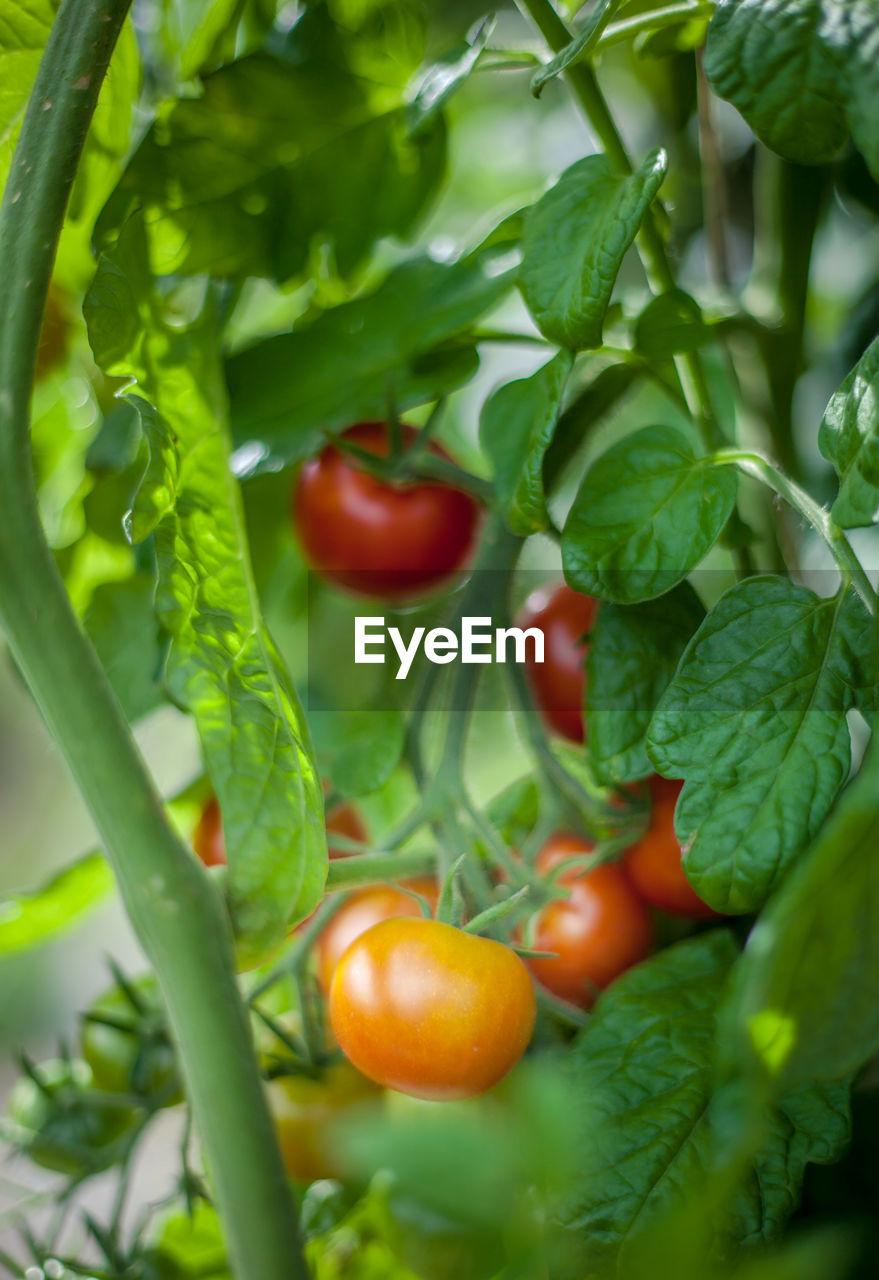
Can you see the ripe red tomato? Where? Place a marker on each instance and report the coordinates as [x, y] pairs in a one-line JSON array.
[[565, 618], [599, 931], [654, 866], [426, 1009], [363, 909], [377, 539], [210, 845], [304, 1109]]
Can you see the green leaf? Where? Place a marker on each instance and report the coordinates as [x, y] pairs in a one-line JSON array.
[[441, 81], [599, 16], [596, 399], [633, 653], [755, 720], [651, 1122], [516, 428], [264, 169], [358, 750], [29, 919], [669, 324], [121, 623], [222, 664], [849, 439], [803, 73], [576, 237], [286, 390], [647, 512], [808, 983]]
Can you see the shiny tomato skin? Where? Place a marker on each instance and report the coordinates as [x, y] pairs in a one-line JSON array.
[[376, 539], [303, 1110], [565, 617], [210, 845], [423, 1008], [597, 933], [654, 865], [361, 910]]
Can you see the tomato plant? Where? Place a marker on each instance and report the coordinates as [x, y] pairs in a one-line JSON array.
[[375, 537], [331, 333], [427, 1009]]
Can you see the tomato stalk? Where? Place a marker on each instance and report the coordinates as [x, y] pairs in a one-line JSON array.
[[753, 464], [174, 909]]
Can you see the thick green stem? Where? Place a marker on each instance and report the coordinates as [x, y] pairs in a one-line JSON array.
[[176, 912], [375, 868], [754, 464]]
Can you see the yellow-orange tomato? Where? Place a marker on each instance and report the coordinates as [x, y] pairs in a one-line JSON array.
[[599, 931], [654, 865], [429, 1010], [209, 842], [361, 910], [304, 1109]]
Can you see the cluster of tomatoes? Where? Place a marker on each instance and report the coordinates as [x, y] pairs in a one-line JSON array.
[[415, 1004]]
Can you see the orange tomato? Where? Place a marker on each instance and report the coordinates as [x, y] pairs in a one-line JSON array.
[[304, 1110], [361, 910], [428, 1010]]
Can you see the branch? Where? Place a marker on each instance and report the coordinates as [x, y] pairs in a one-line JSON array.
[[176, 913]]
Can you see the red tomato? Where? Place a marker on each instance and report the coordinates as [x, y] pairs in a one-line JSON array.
[[377, 539], [363, 909], [602, 929], [426, 1009], [210, 845], [654, 865], [565, 618]]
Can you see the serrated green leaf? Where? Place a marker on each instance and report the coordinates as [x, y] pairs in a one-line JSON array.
[[575, 239], [651, 1121], [121, 623], [803, 73], [265, 168], [29, 919], [807, 1003], [222, 664], [358, 750], [286, 390], [669, 324], [755, 720], [633, 653], [646, 513], [516, 428], [849, 439]]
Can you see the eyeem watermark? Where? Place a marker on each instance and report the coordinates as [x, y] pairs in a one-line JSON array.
[[477, 642]]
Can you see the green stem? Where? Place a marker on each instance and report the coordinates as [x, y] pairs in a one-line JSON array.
[[653, 20], [176, 913], [754, 464], [376, 868], [789, 202]]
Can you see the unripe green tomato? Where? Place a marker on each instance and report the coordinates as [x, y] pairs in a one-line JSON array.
[[137, 1060], [67, 1125]]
